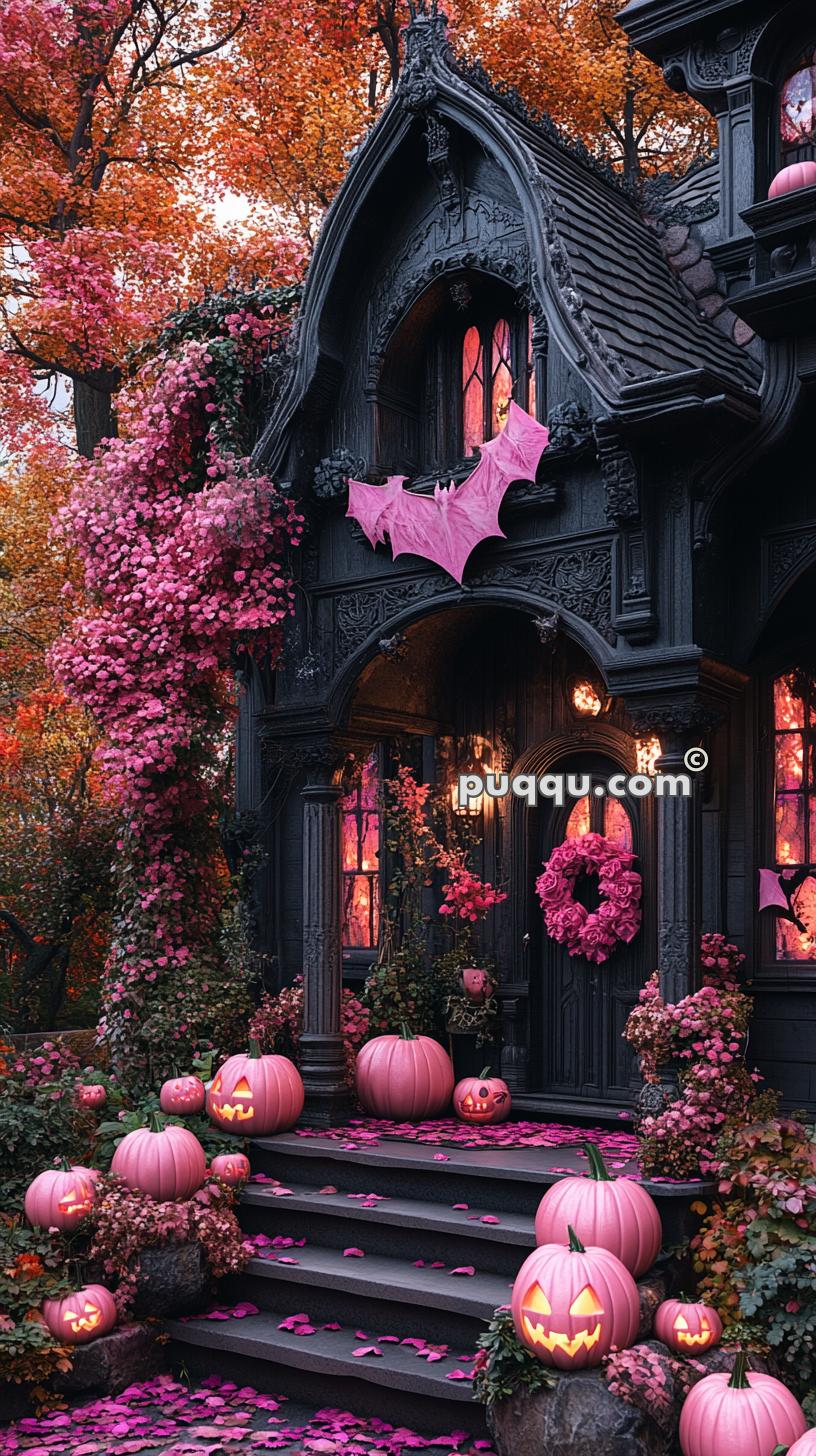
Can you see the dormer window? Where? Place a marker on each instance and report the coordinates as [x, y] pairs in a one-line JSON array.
[[797, 111]]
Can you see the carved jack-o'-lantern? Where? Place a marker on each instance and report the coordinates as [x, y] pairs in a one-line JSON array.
[[482, 1099], [687, 1328], [59, 1198], [91, 1094], [231, 1168], [183, 1095], [571, 1305], [82, 1316], [256, 1094]]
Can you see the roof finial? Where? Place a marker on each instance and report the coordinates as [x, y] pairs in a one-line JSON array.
[[426, 41]]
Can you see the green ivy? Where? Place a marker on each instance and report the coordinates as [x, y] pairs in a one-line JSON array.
[[504, 1365]]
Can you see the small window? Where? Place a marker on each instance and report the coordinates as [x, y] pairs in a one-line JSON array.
[[795, 804], [609, 818], [361, 862], [797, 111], [495, 354]]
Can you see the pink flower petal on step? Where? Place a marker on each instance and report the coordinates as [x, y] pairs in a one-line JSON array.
[[464, 1269], [353, 1254], [365, 1350]]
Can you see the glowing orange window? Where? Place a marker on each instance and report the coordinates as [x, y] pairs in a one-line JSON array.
[[361, 865], [795, 804]]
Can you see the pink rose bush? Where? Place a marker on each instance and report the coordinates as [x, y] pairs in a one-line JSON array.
[[184, 547], [592, 934]]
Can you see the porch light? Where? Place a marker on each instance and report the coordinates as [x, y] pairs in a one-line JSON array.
[[586, 699], [476, 757], [647, 752]]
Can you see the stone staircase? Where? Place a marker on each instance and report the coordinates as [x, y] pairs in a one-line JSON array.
[[385, 1297]]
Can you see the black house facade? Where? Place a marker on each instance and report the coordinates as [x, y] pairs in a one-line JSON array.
[[653, 591]]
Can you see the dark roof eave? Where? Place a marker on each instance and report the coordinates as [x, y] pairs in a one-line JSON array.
[[664, 399]]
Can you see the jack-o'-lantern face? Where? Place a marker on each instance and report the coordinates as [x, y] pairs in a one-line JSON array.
[[85, 1318], [238, 1106], [77, 1201], [479, 1104], [583, 1321], [693, 1339]]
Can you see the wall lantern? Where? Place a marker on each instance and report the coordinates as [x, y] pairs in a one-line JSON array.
[[586, 699], [475, 756], [647, 752]]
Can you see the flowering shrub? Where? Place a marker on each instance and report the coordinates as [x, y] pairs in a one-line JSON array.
[[755, 1252], [466, 895], [126, 1222], [652, 1380], [278, 1022], [702, 1037], [30, 1271], [40, 1119], [183, 547], [594, 934]]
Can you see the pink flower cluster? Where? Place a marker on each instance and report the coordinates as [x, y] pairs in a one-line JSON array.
[[466, 896], [592, 934]]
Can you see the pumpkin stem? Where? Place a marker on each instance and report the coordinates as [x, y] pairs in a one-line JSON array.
[[406, 1033], [597, 1167], [739, 1379], [575, 1245], [155, 1122], [780, 1450], [485, 1072], [254, 1052], [64, 1165]]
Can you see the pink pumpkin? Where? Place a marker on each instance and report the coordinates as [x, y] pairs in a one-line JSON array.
[[805, 1446], [59, 1198], [82, 1316], [404, 1077], [91, 1094], [612, 1213], [256, 1094], [571, 1305], [166, 1162], [183, 1096], [687, 1328], [231, 1168], [482, 1099], [791, 179], [744, 1414], [476, 984]]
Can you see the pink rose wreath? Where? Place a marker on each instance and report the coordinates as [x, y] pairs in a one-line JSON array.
[[591, 934]]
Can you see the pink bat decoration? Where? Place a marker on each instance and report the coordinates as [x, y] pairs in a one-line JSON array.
[[776, 892], [446, 526]]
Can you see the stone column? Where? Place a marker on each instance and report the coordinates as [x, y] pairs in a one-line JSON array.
[[328, 1100]]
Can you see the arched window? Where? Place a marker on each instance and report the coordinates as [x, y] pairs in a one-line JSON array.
[[795, 804], [361, 863], [606, 816], [492, 359], [797, 110]]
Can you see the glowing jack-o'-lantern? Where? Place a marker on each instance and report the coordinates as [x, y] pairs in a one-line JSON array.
[[82, 1316], [183, 1096], [744, 1414], [482, 1099], [91, 1094], [687, 1328], [571, 1305], [231, 1168], [256, 1094], [615, 1213], [59, 1198]]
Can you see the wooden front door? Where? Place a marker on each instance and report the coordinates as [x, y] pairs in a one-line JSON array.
[[578, 1009]]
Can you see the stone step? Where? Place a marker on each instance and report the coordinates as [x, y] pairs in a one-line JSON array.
[[398, 1386], [509, 1180], [375, 1292], [411, 1228]]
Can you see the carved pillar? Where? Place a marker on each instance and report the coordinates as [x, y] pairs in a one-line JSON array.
[[322, 1065]]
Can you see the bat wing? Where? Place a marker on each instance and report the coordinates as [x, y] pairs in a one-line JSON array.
[[771, 892], [512, 455], [369, 505]]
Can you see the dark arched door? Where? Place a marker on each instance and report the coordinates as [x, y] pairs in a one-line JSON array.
[[578, 1010]]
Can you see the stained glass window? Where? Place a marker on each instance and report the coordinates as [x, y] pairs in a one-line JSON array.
[[795, 804], [360, 847], [472, 391], [579, 819], [617, 824], [487, 383], [797, 111], [611, 819]]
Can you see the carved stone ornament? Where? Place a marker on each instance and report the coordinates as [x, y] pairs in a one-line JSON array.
[[785, 556], [547, 628], [394, 648], [321, 755], [679, 715], [619, 476], [570, 426], [332, 473]]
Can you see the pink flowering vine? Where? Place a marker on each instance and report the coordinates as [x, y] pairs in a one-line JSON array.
[[184, 548]]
